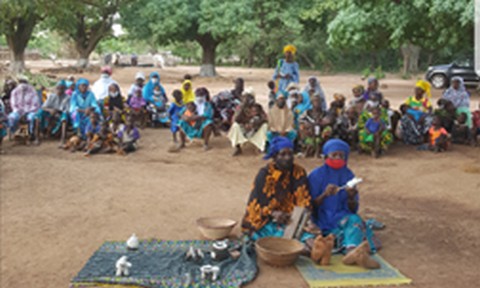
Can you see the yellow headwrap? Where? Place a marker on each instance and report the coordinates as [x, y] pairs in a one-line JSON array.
[[290, 48], [188, 95], [425, 86]]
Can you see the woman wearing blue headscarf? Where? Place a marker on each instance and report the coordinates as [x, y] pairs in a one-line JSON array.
[[278, 188], [156, 98], [82, 103], [335, 209]]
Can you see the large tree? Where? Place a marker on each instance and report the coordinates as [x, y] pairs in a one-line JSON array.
[[409, 26], [86, 22], [17, 21], [208, 22]]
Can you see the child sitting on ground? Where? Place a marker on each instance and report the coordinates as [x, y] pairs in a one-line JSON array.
[[255, 121], [439, 138], [99, 137], [137, 107], [460, 131], [190, 112], [116, 123], [374, 128], [476, 126], [128, 137]]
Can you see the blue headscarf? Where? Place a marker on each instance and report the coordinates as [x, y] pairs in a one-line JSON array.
[[62, 83], [334, 145], [147, 91], [80, 82], [276, 145], [304, 105], [334, 208]]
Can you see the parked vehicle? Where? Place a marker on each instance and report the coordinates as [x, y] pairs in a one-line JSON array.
[[439, 76]]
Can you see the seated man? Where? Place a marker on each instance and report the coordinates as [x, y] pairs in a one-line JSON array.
[[281, 121], [25, 104], [54, 114], [335, 209], [278, 188]]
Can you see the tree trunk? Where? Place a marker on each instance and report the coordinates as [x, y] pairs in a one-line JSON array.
[[411, 54], [83, 55], [251, 57], [209, 46], [19, 32]]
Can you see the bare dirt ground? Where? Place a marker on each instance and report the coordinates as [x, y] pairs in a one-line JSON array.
[[57, 208]]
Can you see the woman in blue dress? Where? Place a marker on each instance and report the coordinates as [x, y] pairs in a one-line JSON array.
[[335, 207], [82, 103], [287, 70]]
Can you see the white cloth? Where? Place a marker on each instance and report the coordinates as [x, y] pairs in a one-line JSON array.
[[100, 87], [237, 137]]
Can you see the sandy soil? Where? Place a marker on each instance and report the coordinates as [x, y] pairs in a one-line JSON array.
[[57, 208]]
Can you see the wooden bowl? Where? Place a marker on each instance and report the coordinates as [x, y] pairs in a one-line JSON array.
[[215, 228], [278, 251]]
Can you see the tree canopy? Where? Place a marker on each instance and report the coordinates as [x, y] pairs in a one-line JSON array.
[[329, 34]]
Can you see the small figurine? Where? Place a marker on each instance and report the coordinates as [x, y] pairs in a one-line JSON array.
[[209, 272], [123, 266], [205, 270], [132, 242], [195, 255], [215, 272]]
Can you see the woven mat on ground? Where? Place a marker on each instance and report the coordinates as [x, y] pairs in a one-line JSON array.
[[339, 275], [160, 263]]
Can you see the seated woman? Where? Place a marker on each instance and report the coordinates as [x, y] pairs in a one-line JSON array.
[[335, 209], [203, 123], [82, 104], [53, 116], [250, 124], [156, 98], [281, 120], [460, 98], [278, 188], [417, 119], [374, 136]]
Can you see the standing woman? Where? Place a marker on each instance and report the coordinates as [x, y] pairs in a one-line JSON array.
[[287, 70], [459, 96]]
